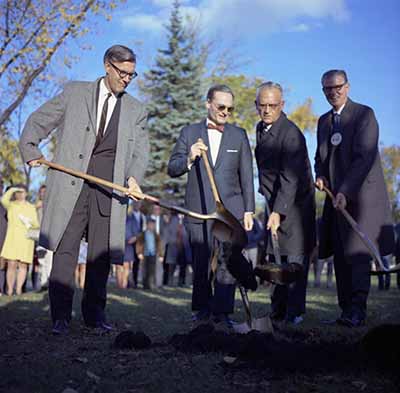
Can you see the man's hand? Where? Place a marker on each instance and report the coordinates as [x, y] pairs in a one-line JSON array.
[[274, 222], [195, 151], [134, 189], [132, 240], [35, 163], [248, 221], [321, 182], [340, 201]]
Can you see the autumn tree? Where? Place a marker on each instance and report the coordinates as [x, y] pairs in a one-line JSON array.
[[390, 156], [31, 33]]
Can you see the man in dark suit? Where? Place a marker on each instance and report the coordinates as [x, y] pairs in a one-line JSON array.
[[229, 153], [286, 182], [347, 160], [100, 131]]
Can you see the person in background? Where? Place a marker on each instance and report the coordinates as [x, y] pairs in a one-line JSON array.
[[177, 251], [149, 250], [45, 257], [3, 231], [18, 248], [80, 271]]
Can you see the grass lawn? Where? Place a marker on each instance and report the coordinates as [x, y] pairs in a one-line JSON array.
[[32, 360]]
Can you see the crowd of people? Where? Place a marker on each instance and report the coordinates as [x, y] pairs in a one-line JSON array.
[[102, 133]]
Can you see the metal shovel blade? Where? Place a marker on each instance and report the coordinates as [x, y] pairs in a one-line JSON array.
[[263, 325]]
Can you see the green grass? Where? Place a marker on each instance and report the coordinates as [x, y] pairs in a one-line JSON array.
[[34, 361]]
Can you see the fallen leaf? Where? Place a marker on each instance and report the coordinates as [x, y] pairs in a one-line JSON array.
[[229, 359], [93, 376]]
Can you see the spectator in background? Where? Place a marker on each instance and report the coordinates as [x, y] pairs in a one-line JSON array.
[[80, 271], [255, 236], [45, 257], [135, 221], [177, 251], [3, 231], [18, 248], [397, 250], [149, 250], [161, 222]]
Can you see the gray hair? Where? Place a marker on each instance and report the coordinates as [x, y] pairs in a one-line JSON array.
[[268, 85], [333, 73], [119, 54], [219, 88]]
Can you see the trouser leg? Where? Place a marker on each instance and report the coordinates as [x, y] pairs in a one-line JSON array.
[[360, 285], [65, 258], [97, 265], [296, 298]]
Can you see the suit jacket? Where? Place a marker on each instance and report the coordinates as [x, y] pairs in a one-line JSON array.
[[73, 113], [175, 249], [233, 171], [286, 182], [354, 169]]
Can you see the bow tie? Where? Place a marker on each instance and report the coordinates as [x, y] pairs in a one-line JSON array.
[[211, 126]]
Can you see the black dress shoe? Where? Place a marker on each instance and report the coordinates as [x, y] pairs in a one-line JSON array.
[[353, 322], [60, 327], [101, 326]]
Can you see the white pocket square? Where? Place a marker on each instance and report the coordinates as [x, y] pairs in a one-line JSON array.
[[231, 151]]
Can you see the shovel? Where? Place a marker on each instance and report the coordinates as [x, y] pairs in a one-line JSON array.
[[373, 251], [225, 226], [261, 324]]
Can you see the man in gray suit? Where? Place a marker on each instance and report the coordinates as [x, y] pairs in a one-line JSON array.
[[229, 154], [347, 160], [101, 131]]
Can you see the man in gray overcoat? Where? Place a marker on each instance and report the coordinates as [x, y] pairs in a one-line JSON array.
[[286, 183], [100, 131], [347, 160]]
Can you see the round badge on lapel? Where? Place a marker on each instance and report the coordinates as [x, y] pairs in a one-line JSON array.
[[336, 139]]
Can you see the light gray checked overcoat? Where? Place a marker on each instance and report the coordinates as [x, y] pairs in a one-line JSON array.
[[73, 114]]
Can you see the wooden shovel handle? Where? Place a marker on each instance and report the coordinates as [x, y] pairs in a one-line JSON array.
[[210, 174], [97, 180]]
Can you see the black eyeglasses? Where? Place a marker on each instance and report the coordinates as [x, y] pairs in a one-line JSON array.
[[337, 88], [221, 108], [123, 74]]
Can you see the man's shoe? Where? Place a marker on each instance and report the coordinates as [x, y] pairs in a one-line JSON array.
[[60, 327], [201, 316], [297, 320], [353, 322], [223, 321]]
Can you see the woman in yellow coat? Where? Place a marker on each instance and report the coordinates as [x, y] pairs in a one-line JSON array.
[[18, 247]]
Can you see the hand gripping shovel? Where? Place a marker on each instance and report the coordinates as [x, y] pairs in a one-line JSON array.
[[373, 251], [260, 324], [225, 226]]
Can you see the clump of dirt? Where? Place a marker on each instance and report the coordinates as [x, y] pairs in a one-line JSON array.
[[132, 340], [289, 352]]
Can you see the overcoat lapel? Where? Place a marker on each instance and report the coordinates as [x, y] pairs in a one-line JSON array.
[[91, 98]]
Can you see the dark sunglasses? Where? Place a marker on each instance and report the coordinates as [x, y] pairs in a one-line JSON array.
[[221, 108], [328, 89]]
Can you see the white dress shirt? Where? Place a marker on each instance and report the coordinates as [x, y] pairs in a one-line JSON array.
[[103, 92], [214, 137]]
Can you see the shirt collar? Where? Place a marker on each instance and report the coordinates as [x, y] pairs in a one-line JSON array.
[[104, 90], [339, 112]]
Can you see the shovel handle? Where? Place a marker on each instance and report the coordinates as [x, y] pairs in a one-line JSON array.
[[363, 237], [210, 174], [97, 180]]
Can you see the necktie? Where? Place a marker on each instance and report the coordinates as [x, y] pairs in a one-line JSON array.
[[211, 126], [100, 132], [336, 123]]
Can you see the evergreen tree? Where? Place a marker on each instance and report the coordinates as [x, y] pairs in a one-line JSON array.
[[173, 88]]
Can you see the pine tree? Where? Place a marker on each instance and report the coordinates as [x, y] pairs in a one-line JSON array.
[[173, 88]]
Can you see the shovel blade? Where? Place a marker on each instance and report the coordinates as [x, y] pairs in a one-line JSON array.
[[263, 325]]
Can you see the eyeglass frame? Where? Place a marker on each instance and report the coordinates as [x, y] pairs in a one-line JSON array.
[[336, 88], [123, 74], [222, 107]]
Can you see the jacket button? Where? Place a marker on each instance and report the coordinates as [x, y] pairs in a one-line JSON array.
[[81, 156], [73, 182], [88, 128]]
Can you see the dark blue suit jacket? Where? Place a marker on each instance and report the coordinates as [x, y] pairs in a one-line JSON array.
[[233, 171]]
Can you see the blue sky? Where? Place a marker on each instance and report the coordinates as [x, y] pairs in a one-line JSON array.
[[288, 41]]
